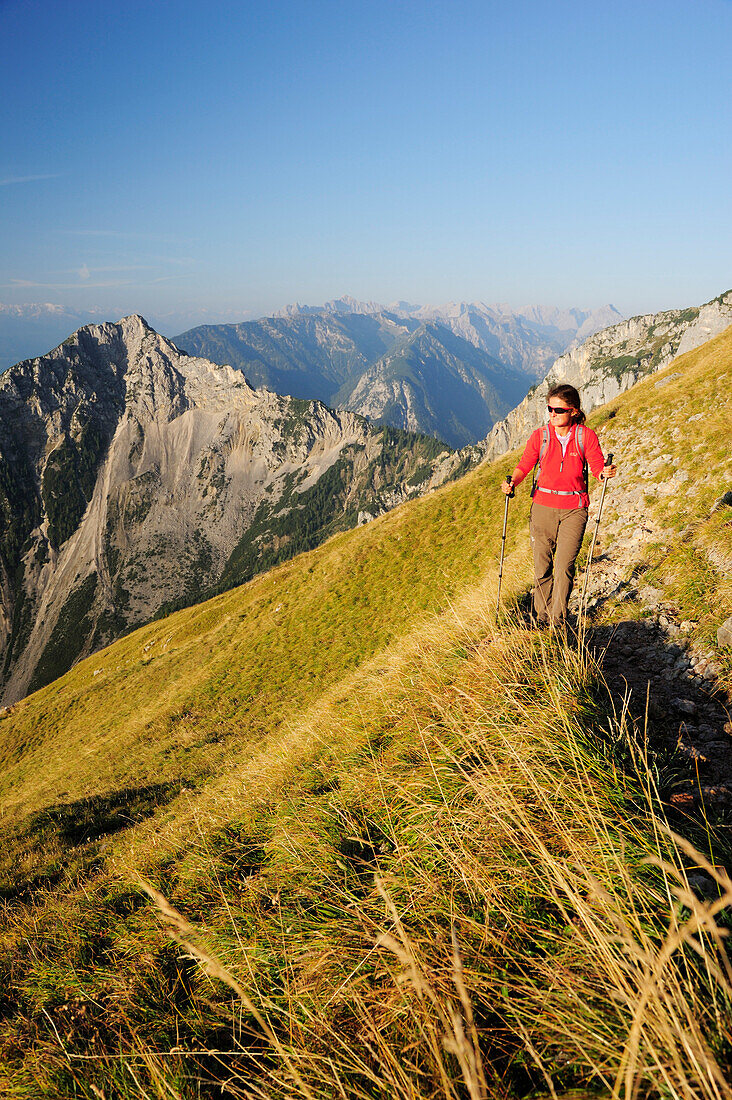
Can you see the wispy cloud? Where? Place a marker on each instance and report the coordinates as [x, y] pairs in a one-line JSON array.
[[86, 272], [121, 234], [88, 282], [29, 284], [173, 278], [180, 261], [9, 180], [106, 269]]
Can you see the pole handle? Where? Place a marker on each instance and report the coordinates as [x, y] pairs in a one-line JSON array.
[[513, 491], [609, 459]]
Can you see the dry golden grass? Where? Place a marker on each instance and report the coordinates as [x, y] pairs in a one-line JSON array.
[[526, 913], [410, 853]]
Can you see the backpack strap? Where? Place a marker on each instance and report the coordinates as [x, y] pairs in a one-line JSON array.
[[579, 435], [542, 451], [544, 444]]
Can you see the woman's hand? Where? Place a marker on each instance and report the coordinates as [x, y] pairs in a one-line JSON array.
[[608, 471], [510, 482]]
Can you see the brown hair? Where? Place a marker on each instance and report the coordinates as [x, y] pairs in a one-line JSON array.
[[571, 397]]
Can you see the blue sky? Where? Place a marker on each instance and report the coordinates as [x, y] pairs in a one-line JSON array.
[[222, 159]]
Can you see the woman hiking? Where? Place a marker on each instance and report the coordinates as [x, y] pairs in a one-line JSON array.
[[560, 499]]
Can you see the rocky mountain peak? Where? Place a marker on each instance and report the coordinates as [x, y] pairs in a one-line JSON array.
[[131, 363], [135, 477]]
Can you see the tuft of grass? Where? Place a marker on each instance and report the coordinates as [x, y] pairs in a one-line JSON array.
[[483, 905]]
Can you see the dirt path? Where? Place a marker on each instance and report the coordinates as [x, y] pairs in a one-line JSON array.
[[652, 659], [651, 654], [689, 712]]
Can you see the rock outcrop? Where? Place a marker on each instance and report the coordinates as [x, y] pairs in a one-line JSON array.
[[612, 361], [134, 478]]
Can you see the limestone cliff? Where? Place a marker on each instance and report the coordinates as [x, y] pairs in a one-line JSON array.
[[135, 478]]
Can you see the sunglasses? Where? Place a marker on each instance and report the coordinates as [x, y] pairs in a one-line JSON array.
[[558, 411]]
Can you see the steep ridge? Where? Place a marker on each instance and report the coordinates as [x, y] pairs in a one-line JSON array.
[[395, 827], [135, 478], [309, 355], [433, 381], [612, 361]]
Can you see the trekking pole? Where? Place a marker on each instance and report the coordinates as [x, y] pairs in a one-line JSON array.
[[503, 541], [608, 462]]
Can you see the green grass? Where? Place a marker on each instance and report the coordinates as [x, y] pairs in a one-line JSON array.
[[245, 661], [619, 365], [407, 853]]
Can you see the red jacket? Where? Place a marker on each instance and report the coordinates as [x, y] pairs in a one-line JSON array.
[[567, 473]]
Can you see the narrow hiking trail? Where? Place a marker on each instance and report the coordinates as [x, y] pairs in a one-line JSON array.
[[660, 580], [651, 659], [689, 711]]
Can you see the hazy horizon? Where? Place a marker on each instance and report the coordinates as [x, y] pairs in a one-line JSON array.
[[206, 316], [32, 334]]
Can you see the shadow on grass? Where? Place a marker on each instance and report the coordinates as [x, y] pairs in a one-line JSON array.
[[101, 815], [59, 840]]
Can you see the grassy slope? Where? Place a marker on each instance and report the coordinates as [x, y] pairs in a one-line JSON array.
[[351, 713], [148, 708]]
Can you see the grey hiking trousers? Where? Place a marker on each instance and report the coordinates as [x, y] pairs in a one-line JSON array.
[[556, 536]]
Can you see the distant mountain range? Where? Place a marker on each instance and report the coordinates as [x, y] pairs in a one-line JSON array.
[[450, 371], [135, 478], [27, 330]]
